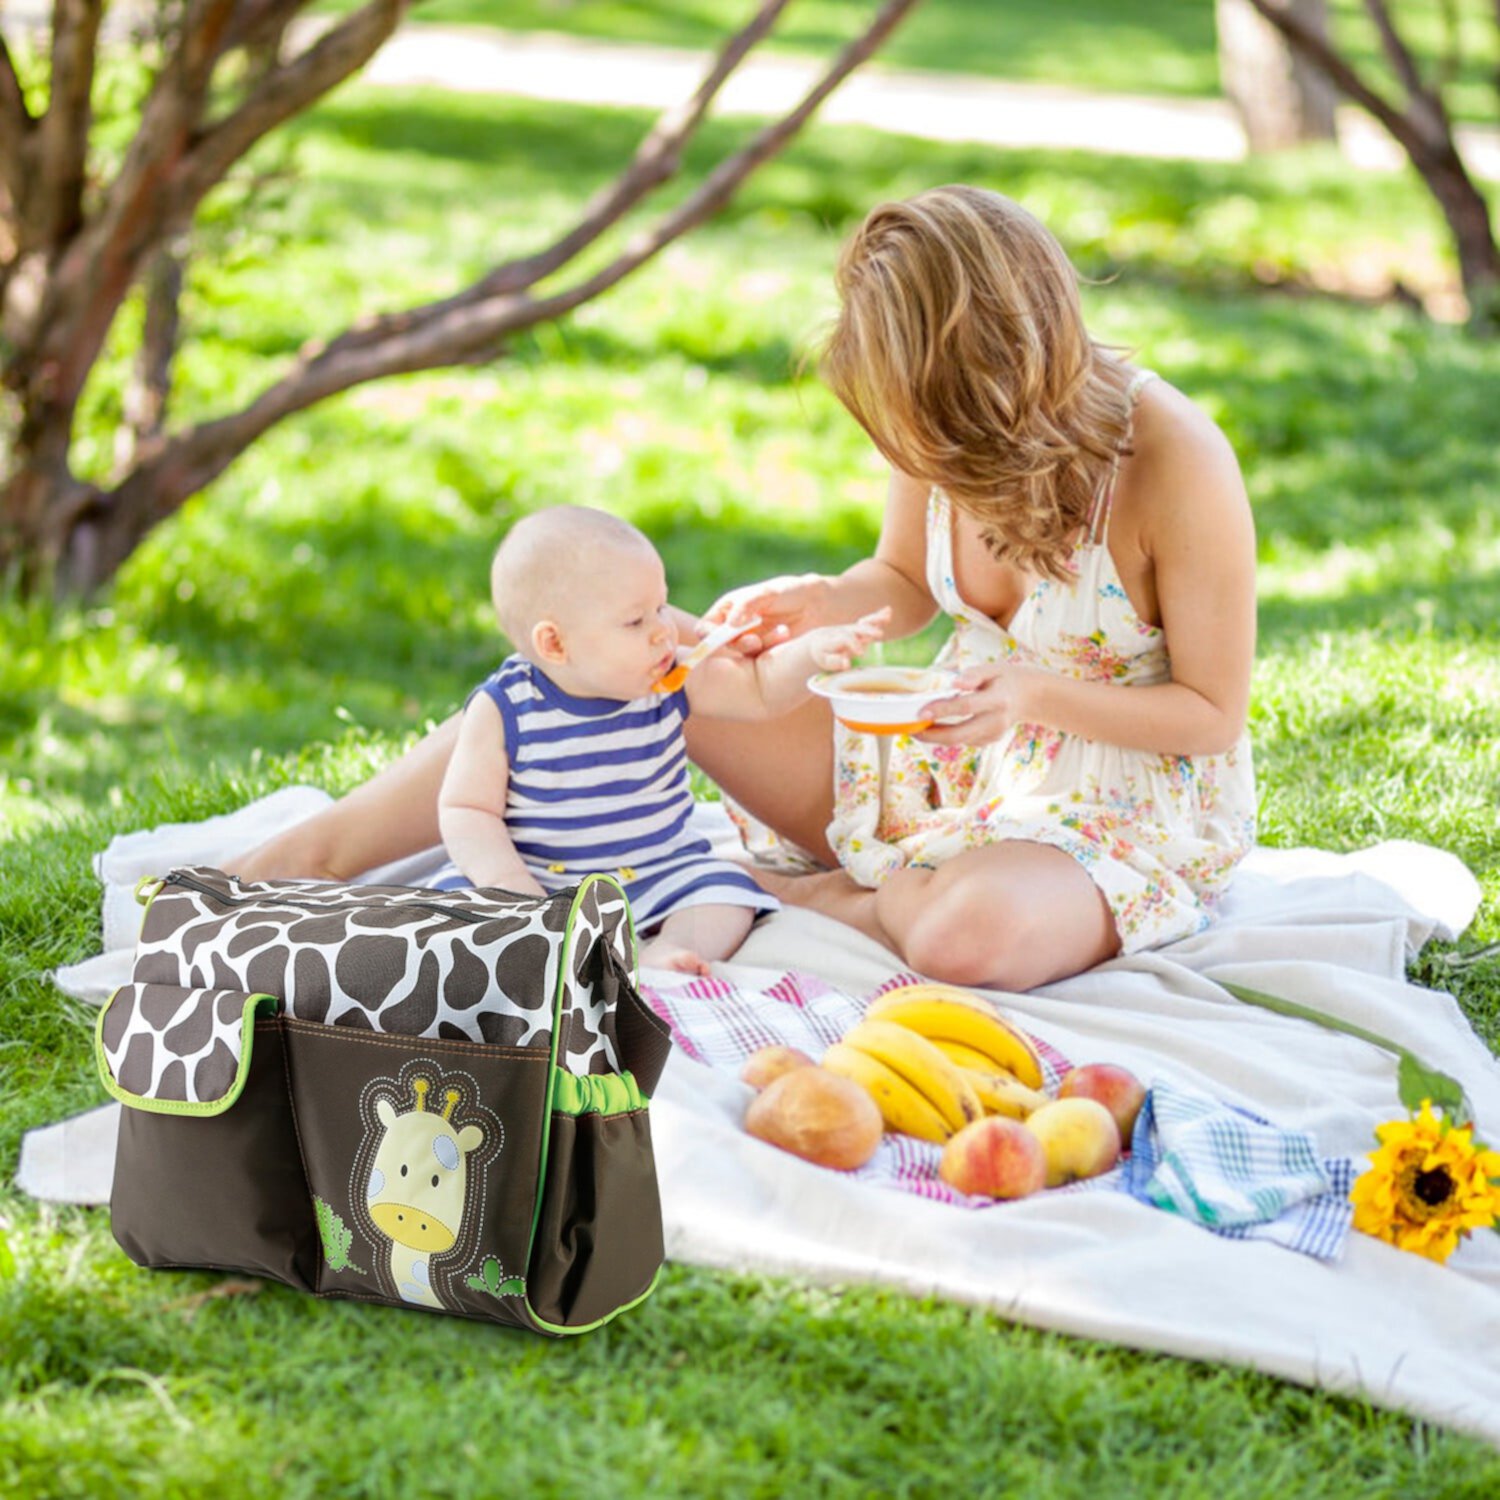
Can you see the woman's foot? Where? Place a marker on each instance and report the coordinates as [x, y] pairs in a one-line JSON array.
[[830, 892]]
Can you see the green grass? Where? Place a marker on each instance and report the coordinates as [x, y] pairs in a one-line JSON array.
[[304, 618]]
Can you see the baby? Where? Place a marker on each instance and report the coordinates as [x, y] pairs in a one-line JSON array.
[[569, 762]]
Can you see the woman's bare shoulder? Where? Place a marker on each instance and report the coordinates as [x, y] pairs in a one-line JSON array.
[[1170, 431], [1181, 462]]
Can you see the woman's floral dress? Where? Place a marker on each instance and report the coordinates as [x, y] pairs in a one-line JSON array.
[[1159, 835]]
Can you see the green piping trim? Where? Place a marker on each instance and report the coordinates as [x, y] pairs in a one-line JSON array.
[[596, 1093], [140, 885], [255, 1005], [552, 1085], [609, 1317]]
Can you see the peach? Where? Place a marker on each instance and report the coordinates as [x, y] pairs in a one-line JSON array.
[[1116, 1088], [818, 1116], [767, 1065], [996, 1157], [1079, 1138]]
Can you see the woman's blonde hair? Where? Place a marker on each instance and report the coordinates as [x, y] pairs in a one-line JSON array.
[[960, 348]]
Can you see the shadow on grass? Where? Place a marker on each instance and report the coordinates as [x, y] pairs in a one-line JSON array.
[[368, 617]]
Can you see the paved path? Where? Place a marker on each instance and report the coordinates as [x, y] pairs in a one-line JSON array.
[[930, 105], [934, 106]]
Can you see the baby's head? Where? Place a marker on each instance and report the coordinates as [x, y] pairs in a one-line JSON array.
[[583, 596]]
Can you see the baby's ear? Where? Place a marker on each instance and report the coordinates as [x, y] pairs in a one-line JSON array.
[[547, 642]]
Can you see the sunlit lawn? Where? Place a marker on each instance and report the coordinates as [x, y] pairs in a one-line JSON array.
[[326, 598]]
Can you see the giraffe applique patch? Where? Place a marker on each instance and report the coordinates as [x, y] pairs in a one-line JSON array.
[[418, 1182]]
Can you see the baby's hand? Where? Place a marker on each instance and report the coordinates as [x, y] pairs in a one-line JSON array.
[[834, 647]]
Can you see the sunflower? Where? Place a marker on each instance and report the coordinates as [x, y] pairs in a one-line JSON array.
[[1428, 1185]]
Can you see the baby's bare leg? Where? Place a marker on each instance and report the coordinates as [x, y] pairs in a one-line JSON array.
[[391, 815], [691, 939]]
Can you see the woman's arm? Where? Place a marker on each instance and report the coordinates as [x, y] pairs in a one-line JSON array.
[[1195, 528], [775, 682]]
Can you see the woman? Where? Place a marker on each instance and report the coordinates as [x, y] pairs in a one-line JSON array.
[[1086, 529]]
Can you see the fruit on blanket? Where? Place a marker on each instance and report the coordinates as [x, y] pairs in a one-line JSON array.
[[767, 1065], [901, 1105], [945, 1013], [1078, 1136], [965, 1057], [1005, 1094], [940, 1080], [995, 1157], [1116, 1088], [818, 1116]]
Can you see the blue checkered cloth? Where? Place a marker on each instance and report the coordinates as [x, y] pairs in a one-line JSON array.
[[1237, 1174]]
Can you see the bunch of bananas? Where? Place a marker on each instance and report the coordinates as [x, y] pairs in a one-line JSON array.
[[934, 1058]]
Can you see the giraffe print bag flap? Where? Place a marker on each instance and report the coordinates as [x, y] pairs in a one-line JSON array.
[[430, 1098]]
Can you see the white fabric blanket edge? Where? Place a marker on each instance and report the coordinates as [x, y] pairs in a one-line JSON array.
[[1331, 930]]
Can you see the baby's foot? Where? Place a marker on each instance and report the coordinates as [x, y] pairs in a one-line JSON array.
[[662, 955]]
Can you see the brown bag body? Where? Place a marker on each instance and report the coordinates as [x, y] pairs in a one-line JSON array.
[[448, 1172]]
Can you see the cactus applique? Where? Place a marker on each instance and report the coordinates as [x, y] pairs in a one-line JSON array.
[[336, 1238], [488, 1280]]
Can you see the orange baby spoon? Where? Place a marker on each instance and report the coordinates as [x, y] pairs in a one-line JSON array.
[[721, 636]]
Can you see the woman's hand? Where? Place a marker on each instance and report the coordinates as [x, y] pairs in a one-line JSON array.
[[990, 699], [788, 606]]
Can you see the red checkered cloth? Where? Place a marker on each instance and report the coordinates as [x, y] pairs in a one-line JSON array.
[[721, 1024]]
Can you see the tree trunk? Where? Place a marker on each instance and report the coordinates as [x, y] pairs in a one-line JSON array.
[[38, 499], [1281, 99], [1468, 216]]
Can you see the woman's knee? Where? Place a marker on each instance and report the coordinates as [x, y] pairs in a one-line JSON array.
[[960, 940], [971, 935]]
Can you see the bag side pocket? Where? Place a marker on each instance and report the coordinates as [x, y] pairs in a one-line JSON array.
[[598, 1246]]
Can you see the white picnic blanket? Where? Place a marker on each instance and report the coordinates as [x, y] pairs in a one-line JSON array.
[[1332, 931]]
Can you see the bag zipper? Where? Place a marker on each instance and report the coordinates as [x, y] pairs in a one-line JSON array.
[[178, 878]]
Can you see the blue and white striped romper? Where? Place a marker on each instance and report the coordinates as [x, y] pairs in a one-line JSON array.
[[597, 784]]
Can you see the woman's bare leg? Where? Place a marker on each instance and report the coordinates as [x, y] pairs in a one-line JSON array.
[[393, 814], [1009, 916], [780, 770]]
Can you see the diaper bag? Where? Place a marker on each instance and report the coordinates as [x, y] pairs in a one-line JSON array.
[[436, 1099]]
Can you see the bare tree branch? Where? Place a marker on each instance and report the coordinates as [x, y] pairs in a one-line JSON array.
[[96, 269], [173, 107], [179, 466], [1425, 131], [61, 141], [16, 126], [145, 403], [258, 21], [1397, 53], [656, 160], [1343, 74], [282, 92]]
